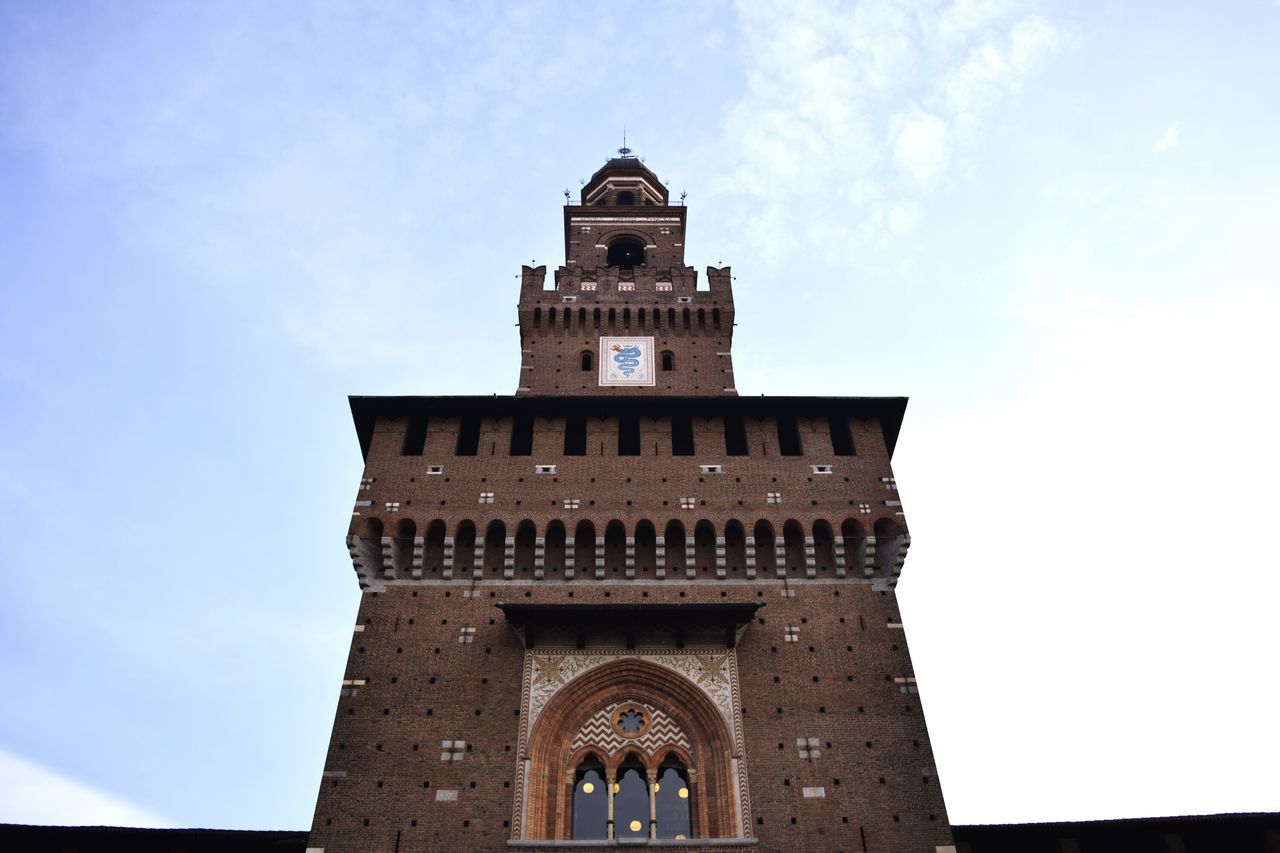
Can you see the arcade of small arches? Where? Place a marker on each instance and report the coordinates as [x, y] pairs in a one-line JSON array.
[[610, 551], [677, 321], [631, 796]]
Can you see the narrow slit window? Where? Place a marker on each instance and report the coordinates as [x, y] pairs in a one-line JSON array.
[[841, 437], [575, 436], [468, 436], [629, 435], [735, 436], [681, 435], [522, 435], [415, 437], [789, 436]]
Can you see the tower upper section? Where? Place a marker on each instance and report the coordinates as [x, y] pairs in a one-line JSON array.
[[624, 315]]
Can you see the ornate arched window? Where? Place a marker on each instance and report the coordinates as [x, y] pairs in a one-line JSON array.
[[656, 743]]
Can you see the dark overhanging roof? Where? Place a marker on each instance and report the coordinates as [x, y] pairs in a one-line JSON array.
[[622, 614], [365, 411], [528, 620]]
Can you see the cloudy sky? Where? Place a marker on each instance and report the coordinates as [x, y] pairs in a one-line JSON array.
[[1052, 225]]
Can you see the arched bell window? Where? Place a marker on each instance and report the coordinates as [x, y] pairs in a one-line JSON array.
[[626, 198], [671, 799], [590, 800], [625, 253]]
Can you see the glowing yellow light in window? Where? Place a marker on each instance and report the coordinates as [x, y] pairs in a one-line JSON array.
[[588, 787], [634, 826], [680, 838], [684, 793]]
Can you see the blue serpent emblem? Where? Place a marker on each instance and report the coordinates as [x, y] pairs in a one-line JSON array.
[[627, 359]]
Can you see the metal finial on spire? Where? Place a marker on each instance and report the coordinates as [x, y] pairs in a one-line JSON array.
[[624, 150]]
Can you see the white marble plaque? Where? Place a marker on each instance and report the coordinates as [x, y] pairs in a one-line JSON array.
[[626, 361]]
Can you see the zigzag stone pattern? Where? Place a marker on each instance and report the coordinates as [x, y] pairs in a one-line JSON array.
[[599, 732]]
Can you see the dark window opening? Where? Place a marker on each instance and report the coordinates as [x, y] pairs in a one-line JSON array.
[[468, 436], [590, 800], [788, 436], [585, 361], [415, 437], [668, 360], [625, 253], [735, 435], [841, 437], [626, 199], [629, 435], [681, 435], [522, 435], [575, 436]]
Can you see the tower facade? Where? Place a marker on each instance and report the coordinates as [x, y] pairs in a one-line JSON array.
[[626, 606]]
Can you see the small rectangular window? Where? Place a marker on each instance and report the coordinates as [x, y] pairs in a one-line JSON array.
[[820, 469], [571, 299], [452, 750], [415, 437], [688, 503], [486, 497], [808, 747], [712, 469], [468, 436], [575, 436], [681, 435], [544, 469], [435, 469], [774, 497], [392, 506], [684, 299], [571, 503]]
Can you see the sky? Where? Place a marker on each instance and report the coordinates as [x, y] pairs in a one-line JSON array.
[[1051, 225]]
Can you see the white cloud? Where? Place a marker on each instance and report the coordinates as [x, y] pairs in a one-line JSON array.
[[921, 146], [876, 94], [32, 794], [1169, 141]]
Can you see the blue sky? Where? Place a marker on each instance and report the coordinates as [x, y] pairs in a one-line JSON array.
[[1052, 225]]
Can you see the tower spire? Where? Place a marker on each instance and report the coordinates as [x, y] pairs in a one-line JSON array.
[[624, 150]]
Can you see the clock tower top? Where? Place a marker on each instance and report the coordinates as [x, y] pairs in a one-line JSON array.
[[625, 316]]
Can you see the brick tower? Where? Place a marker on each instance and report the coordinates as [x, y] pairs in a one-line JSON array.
[[626, 606]]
